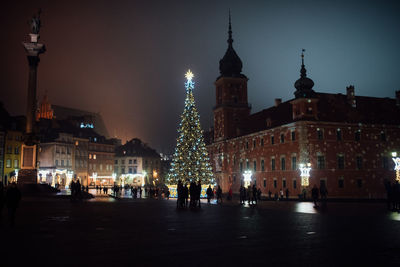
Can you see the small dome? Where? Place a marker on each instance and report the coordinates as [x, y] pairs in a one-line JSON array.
[[230, 65], [304, 85]]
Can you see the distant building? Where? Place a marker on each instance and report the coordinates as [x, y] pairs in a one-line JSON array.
[[347, 139], [101, 161], [83, 119], [137, 164], [56, 156]]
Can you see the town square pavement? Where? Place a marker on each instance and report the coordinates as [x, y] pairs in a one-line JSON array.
[[105, 231]]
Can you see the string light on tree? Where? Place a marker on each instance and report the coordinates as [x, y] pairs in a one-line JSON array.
[[190, 161]]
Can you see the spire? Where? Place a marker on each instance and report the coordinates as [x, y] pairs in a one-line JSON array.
[[303, 71], [230, 65], [304, 85], [230, 40]]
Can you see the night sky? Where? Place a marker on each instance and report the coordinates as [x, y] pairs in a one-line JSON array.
[[127, 59]]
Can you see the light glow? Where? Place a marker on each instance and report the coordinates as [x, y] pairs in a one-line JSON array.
[[189, 75]]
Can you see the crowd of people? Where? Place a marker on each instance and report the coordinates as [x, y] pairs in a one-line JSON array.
[[184, 192], [251, 194], [10, 197]]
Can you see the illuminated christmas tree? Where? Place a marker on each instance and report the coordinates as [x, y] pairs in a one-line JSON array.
[[190, 161]]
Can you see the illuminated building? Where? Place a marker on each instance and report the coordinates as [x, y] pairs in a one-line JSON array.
[[346, 139], [56, 160], [12, 154], [137, 164], [101, 161]]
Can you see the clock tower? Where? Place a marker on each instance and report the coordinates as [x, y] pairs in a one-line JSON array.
[[231, 106]]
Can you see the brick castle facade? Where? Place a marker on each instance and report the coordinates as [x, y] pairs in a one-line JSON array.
[[348, 139]]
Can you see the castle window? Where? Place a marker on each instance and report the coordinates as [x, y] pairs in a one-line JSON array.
[[359, 183], [265, 182], [241, 167], [273, 164], [338, 135], [293, 133], [341, 182], [284, 183], [282, 138], [294, 163], [383, 136], [275, 183], [262, 141], [320, 162], [272, 140], [247, 145], [294, 183], [357, 135], [340, 162], [255, 166], [359, 162], [283, 164], [320, 134], [254, 143], [8, 163], [262, 165], [385, 163]]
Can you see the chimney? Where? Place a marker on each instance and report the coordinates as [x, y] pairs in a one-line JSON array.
[[278, 101], [398, 98], [351, 98]]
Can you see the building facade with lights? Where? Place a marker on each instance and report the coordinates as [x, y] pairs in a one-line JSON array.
[[345, 139], [101, 162], [137, 164]]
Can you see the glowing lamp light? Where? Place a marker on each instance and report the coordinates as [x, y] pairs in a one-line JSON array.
[[396, 161], [305, 174]]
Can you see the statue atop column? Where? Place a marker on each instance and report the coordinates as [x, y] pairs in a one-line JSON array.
[[35, 22], [28, 172]]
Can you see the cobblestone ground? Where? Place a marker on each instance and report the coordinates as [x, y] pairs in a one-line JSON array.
[[148, 232]]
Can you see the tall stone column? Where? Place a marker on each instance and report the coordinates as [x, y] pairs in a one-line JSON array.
[[28, 171]]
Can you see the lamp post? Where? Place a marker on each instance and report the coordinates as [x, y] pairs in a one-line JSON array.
[[94, 175], [144, 177], [305, 174], [396, 160], [247, 177]]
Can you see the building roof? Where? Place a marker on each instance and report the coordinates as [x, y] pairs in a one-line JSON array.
[[136, 148], [331, 108], [64, 113]]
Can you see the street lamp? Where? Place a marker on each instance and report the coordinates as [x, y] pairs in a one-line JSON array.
[[305, 173], [247, 177], [94, 175], [144, 177], [396, 160]]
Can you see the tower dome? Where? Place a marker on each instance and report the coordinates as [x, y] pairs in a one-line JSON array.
[[230, 65], [304, 85]]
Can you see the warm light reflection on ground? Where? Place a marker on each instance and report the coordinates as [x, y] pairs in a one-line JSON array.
[[305, 207]]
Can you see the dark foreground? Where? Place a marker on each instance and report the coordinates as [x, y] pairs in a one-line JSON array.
[[148, 232]]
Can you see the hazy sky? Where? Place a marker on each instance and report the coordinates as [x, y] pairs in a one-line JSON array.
[[127, 59]]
